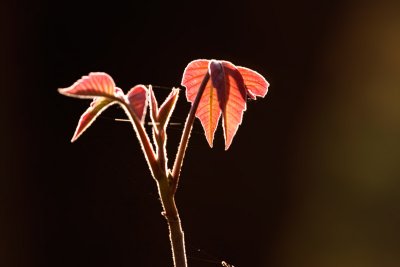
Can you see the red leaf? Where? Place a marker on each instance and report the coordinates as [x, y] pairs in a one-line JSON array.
[[153, 107], [98, 105], [167, 107], [160, 116], [226, 92], [101, 87], [93, 85], [231, 96], [137, 98], [255, 83], [208, 111]]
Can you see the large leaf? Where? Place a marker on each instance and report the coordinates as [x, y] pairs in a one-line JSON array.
[[208, 111], [226, 92], [231, 96]]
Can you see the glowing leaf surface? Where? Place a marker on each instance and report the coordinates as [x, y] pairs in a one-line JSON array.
[[167, 107], [208, 111], [98, 105], [137, 98], [225, 93], [93, 85], [101, 87], [256, 84], [231, 96]]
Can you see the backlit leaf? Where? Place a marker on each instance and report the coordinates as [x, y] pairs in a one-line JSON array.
[[101, 87], [225, 93], [137, 98], [231, 96], [98, 105], [256, 84], [153, 107], [94, 85], [167, 107], [208, 111]]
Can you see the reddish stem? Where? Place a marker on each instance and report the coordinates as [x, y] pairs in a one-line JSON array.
[[167, 183], [144, 142], [176, 170]]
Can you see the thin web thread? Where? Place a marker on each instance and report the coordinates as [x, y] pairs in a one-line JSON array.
[[210, 258]]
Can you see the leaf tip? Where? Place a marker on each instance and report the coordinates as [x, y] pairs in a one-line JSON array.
[[81, 128], [227, 146], [75, 137], [210, 139], [64, 91]]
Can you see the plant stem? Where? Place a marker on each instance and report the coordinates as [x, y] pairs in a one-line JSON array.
[[167, 182], [167, 186], [144, 142], [177, 239], [166, 189], [176, 170], [171, 214]]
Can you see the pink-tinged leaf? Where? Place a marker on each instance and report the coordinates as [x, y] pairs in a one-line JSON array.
[[153, 106], [208, 110], [137, 98], [256, 84], [94, 85], [167, 107], [193, 76], [231, 96], [225, 93], [98, 105]]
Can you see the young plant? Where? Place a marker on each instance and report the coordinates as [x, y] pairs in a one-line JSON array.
[[214, 87]]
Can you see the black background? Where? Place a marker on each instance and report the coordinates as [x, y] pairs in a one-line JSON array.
[[276, 198]]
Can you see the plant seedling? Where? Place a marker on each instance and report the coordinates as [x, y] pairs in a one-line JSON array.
[[216, 89]]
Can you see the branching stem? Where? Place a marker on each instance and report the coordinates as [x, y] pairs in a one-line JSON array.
[[167, 182], [144, 141]]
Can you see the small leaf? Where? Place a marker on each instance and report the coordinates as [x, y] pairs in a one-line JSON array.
[[153, 107], [98, 105], [255, 83], [167, 107], [137, 98], [94, 85]]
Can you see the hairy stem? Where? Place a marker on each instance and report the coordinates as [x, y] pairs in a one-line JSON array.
[[144, 142], [171, 214], [176, 170], [161, 149], [167, 185], [167, 182], [166, 189]]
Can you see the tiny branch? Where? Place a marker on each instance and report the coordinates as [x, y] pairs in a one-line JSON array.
[[161, 149], [186, 132]]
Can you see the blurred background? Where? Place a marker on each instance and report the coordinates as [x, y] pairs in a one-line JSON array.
[[311, 179]]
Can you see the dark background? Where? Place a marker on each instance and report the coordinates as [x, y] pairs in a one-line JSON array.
[[311, 179]]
